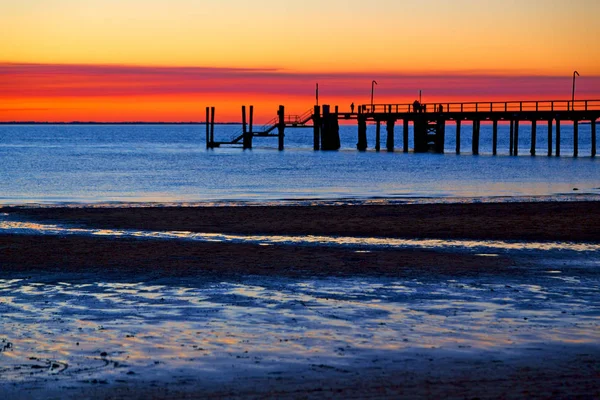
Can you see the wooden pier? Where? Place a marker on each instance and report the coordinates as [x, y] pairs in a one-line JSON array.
[[429, 123]]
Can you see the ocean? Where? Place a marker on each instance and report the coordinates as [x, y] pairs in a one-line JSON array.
[[170, 163]]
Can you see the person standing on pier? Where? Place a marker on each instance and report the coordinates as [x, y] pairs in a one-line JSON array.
[[352, 108]]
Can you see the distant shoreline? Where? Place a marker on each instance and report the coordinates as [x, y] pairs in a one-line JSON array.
[[112, 123]]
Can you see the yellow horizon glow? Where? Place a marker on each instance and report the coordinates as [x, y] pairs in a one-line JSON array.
[[548, 37]]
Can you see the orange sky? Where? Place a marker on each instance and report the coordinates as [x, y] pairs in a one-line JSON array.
[[152, 60]]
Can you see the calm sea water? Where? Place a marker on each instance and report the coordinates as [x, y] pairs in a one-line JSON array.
[[169, 163]]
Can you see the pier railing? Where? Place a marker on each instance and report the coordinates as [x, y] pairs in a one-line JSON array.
[[493, 106]]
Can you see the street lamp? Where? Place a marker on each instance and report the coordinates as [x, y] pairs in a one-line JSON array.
[[575, 73], [372, 90]]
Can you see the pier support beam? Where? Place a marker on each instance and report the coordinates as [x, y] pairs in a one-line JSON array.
[[250, 127], [533, 137], [557, 152], [405, 135], [495, 137], [281, 126], [378, 136], [389, 143], [317, 128], [362, 133], [458, 123], [550, 138], [207, 127], [440, 136], [511, 142], [212, 127], [244, 129], [516, 140], [475, 141], [593, 137], [575, 138]]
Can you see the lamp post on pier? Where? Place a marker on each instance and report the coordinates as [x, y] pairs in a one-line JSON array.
[[372, 91], [575, 73]]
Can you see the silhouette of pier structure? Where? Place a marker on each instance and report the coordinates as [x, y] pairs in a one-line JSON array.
[[429, 123]]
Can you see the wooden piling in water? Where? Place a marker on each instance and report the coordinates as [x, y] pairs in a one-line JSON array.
[[475, 140], [212, 127], [533, 137], [244, 129], [516, 138], [575, 138], [495, 137], [550, 138], [557, 152], [281, 127], [250, 127], [207, 127], [317, 128], [361, 145], [512, 137], [389, 144], [405, 135], [593, 122], [378, 135], [458, 123]]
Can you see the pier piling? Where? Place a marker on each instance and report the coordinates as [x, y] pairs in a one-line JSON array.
[[533, 137], [550, 138], [362, 132], [317, 127], [389, 144], [593, 122], [475, 140], [207, 127], [557, 152], [405, 135], [458, 123], [516, 139], [495, 137], [575, 138], [281, 127], [512, 137], [212, 127], [250, 127], [378, 135]]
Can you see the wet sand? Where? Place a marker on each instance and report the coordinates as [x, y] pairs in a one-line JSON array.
[[572, 221], [450, 324]]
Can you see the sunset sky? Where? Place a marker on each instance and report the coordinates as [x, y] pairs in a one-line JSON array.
[[159, 60]]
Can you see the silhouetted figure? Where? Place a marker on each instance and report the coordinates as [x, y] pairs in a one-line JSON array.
[[352, 108], [416, 106], [441, 108]]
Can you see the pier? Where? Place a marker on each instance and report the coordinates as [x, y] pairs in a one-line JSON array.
[[428, 120]]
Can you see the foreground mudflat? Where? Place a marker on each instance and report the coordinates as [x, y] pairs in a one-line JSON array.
[[106, 317]]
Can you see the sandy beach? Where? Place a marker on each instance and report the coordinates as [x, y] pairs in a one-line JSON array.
[[103, 316]]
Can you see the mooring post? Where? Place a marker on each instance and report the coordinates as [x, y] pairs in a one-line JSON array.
[[207, 123], [458, 123], [389, 143], [557, 152], [317, 128], [405, 135], [475, 141], [593, 122], [516, 140], [495, 137], [281, 126], [362, 133], [575, 138], [512, 137], [533, 137], [212, 127], [378, 135], [550, 138], [250, 127]]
